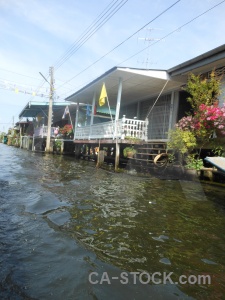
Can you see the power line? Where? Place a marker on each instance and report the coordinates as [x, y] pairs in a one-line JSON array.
[[120, 43], [147, 46], [71, 50], [175, 30], [19, 74], [89, 32]]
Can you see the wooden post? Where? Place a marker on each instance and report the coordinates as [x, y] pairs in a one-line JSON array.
[[76, 120], [101, 157], [117, 156], [33, 148]]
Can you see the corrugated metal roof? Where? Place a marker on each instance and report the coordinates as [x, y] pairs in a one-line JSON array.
[[34, 108], [105, 110], [140, 84], [137, 84]]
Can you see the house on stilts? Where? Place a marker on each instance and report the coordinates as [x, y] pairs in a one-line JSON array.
[[142, 105]]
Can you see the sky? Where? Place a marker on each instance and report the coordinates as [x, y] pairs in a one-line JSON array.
[[84, 39]]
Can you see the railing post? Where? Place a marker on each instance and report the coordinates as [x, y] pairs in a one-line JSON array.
[[146, 130]]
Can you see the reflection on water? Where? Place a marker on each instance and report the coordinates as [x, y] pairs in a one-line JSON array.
[[152, 225], [134, 223]]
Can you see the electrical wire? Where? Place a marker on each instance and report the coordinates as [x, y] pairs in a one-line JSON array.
[[72, 50], [121, 43], [172, 32], [19, 74], [89, 32]]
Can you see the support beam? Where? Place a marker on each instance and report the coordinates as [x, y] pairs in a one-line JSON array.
[[92, 113], [171, 110], [76, 121], [117, 156], [93, 108], [118, 99]]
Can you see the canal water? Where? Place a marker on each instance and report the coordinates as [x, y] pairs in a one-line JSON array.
[[69, 230]]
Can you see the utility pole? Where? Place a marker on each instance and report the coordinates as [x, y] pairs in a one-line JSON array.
[[51, 73]]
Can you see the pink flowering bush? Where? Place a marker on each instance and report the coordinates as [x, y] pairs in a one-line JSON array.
[[66, 130], [186, 123], [205, 121]]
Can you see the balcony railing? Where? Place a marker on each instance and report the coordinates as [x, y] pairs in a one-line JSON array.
[[109, 130], [42, 131]]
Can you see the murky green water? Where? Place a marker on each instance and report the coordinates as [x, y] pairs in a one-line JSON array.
[[62, 219]]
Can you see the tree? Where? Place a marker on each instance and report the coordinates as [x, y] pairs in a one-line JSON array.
[[203, 90]]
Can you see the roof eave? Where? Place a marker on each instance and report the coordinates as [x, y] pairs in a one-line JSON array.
[[199, 61]]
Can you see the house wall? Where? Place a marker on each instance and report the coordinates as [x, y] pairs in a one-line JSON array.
[[174, 109], [183, 105], [222, 96], [161, 117], [130, 111]]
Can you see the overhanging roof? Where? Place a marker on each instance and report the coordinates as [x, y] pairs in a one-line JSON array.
[[33, 109], [200, 64], [137, 84], [140, 84]]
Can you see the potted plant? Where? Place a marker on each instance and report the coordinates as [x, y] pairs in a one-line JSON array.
[[67, 130], [132, 139], [58, 145], [193, 163], [193, 166], [129, 152], [181, 141]]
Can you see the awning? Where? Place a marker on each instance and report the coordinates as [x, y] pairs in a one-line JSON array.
[[137, 84], [34, 109]]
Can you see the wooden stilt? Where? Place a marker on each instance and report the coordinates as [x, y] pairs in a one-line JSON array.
[[117, 156]]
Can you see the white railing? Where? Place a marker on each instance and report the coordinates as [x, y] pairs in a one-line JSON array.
[[134, 128], [42, 131], [107, 130]]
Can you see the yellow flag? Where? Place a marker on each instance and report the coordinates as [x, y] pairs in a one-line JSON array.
[[16, 91], [103, 95]]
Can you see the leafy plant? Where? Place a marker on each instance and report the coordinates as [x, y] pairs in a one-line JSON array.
[[193, 163], [218, 151], [171, 157], [205, 121], [182, 141], [132, 139], [203, 90], [129, 150], [58, 143]]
